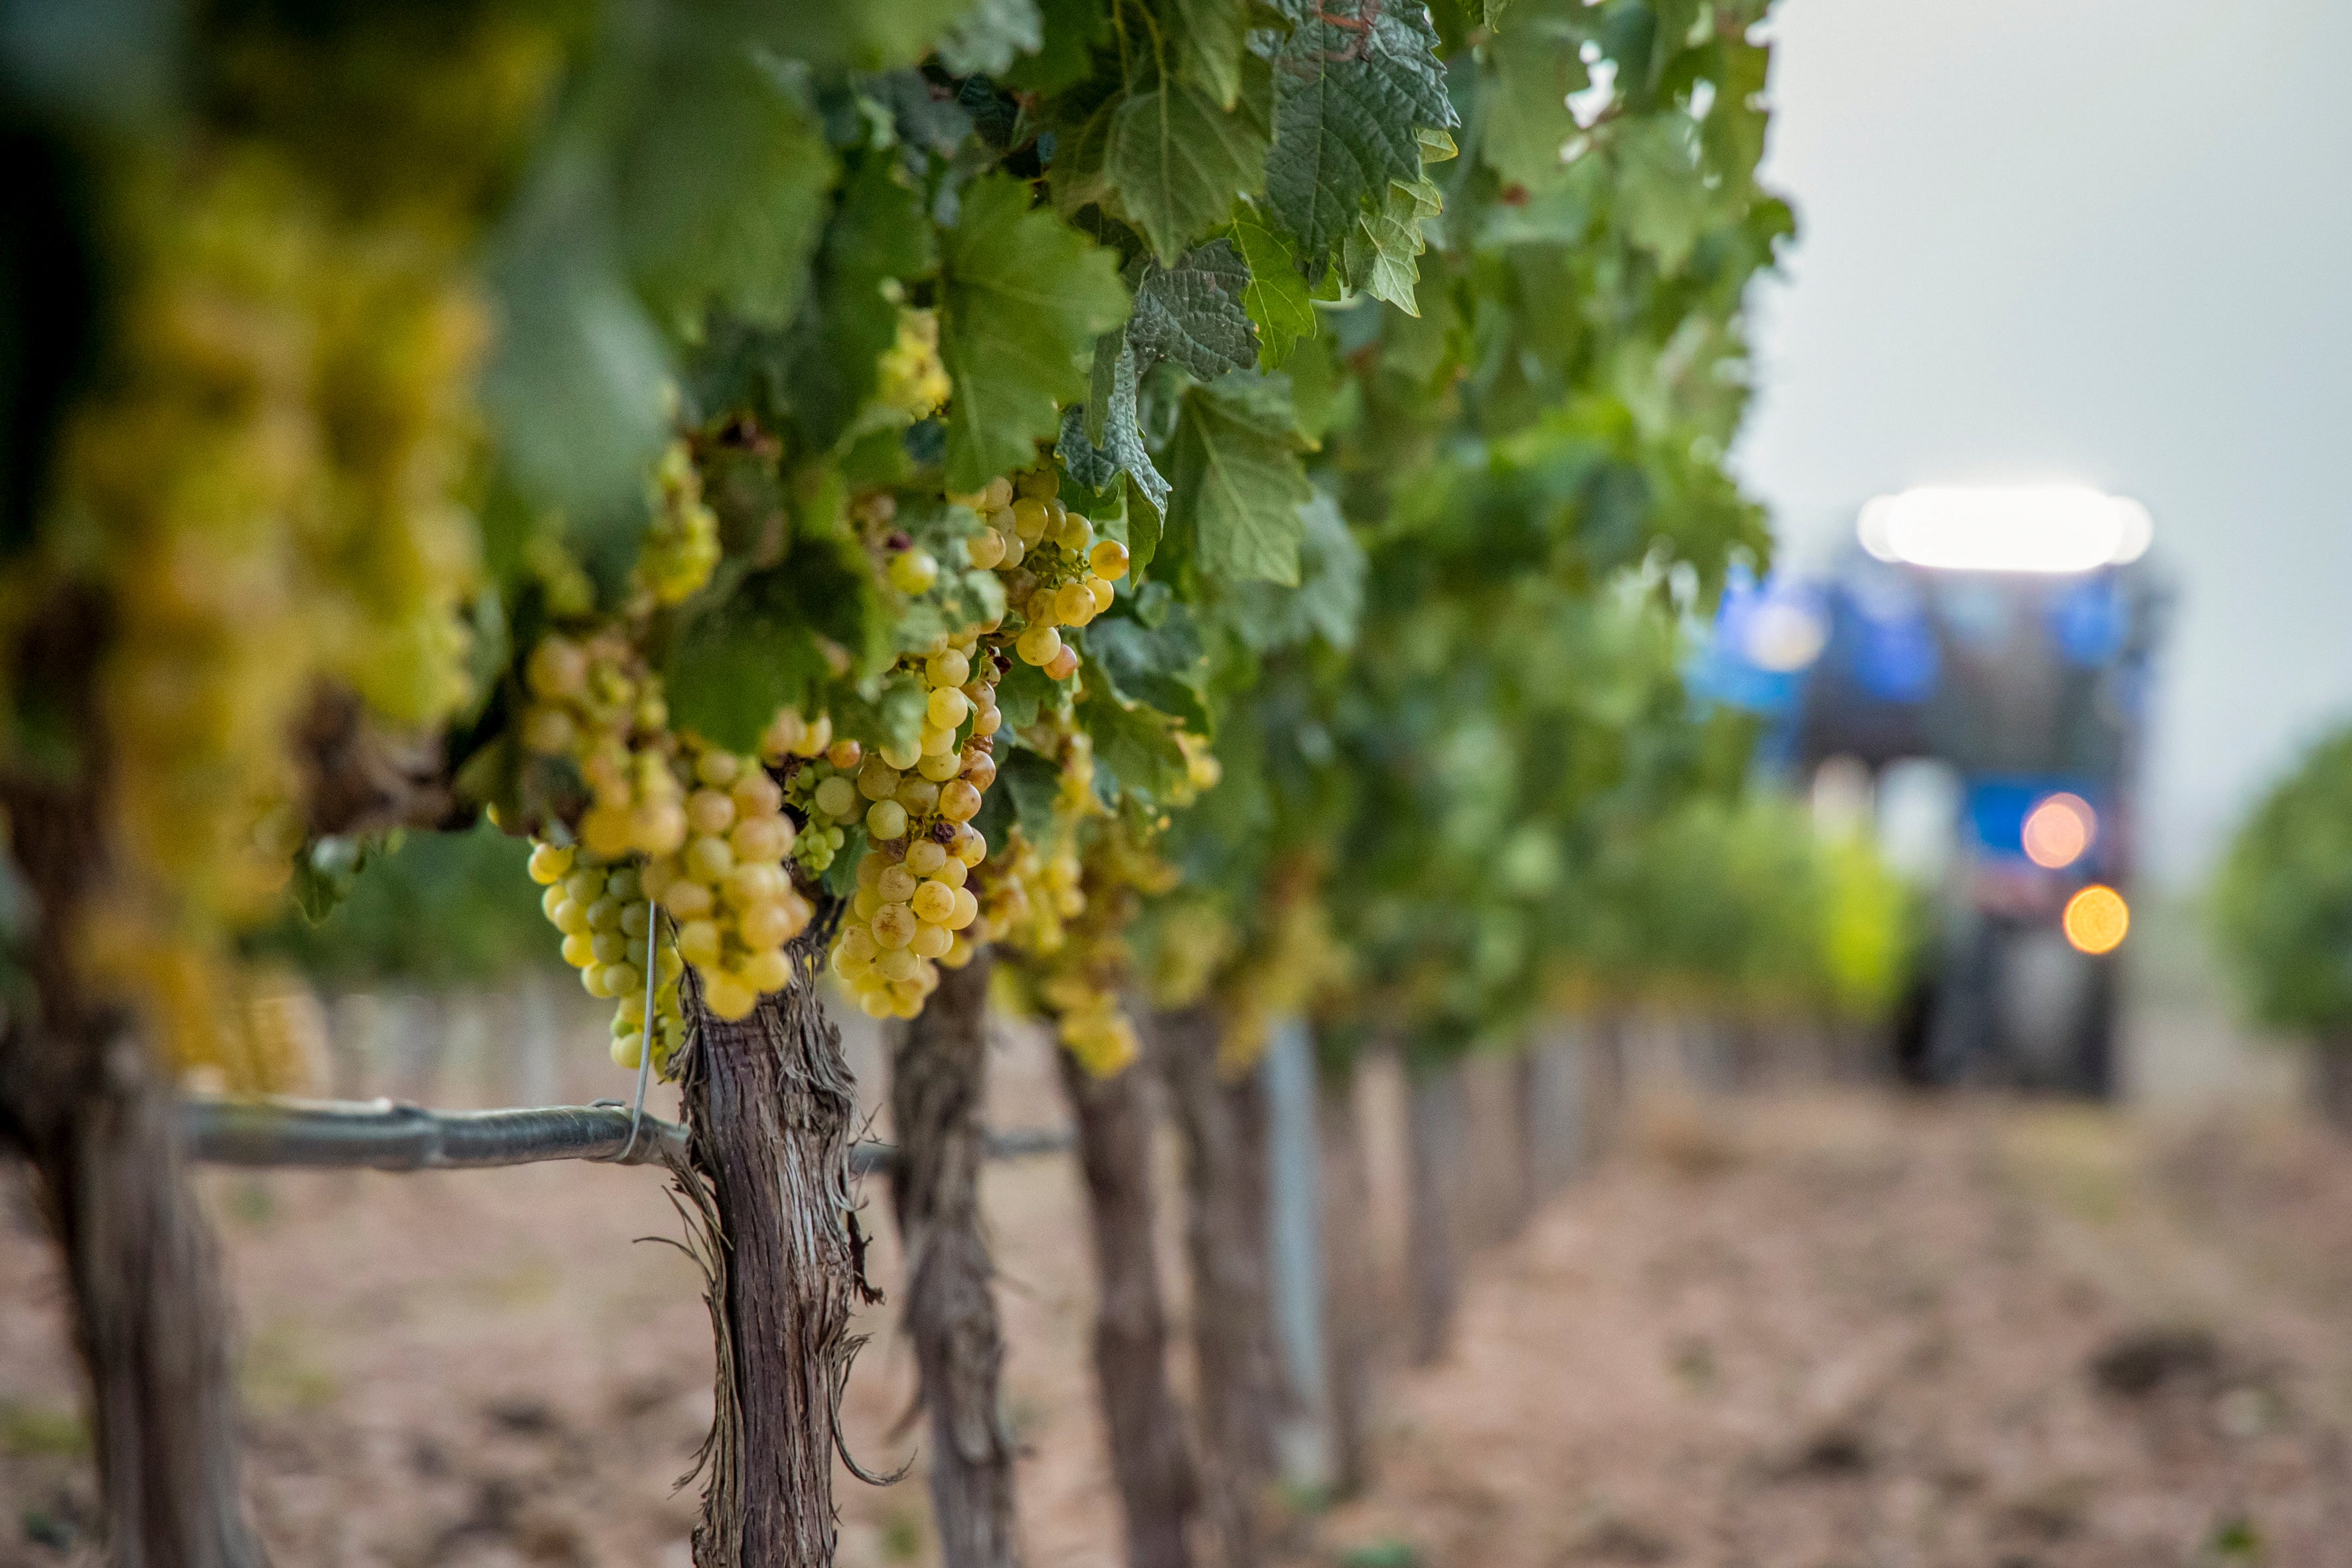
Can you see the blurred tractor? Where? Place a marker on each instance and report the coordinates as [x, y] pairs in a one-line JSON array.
[[1975, 674]]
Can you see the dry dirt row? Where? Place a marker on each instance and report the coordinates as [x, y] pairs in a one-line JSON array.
[[1818, 1331]]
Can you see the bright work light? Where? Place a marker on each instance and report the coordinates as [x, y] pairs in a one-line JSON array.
[[2018, 527]]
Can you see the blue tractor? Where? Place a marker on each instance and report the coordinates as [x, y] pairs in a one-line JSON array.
[[1981, 680]]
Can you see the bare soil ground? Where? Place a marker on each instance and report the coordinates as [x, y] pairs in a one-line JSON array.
[[1819, 1331]]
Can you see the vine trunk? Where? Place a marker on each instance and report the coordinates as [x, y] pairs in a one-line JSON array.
[[84, 1099], [1435, 1138], [1157, 1488], [1223, 1119], [938, 1079], [769, 1104]]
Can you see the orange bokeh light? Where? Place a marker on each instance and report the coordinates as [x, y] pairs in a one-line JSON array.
[[2096, 918], [2059, 829]]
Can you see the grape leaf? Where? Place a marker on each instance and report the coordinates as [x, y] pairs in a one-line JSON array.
[[1209, 36], [574, 383], [1535, 64], [1135, 745], [1275, 295], [1238, 481], [867, 38], [758, 650], [1164, 666], [1176, 162], [1384, 247], [1022, 295], [1123, 450], [720, 194], [987, 38], [1329, 597], [1192, 313], [1072, 29], [879, 235], [1663, 202], [1354, 83]]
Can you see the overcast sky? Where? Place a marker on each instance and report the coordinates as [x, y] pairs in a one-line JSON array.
[[2099, 240]]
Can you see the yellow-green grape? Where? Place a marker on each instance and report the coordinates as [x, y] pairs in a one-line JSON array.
[[681, 548], [1073, 606], [914, 570], [1109, 560], [1063, 665], [1038, 645], [911, 380]]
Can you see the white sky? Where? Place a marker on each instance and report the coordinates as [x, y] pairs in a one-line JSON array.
[[2099, 240]]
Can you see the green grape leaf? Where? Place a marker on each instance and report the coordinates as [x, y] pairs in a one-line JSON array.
[[573, 388], [1025, 692], [1022, 294], [1164, 666], [1123, 450], [721, 194], [754, 653], [1663, 202], [875, 37], [1275, 295], [1238, 480], [1192, 313], [1733, 132], [988, 37], [1064, 59], [1329, 598], [1135, 745], [879, 235], [1176, 162], [1534, 64], [1354, 83], [1383, 248], [1210, 38], [1030, 783]]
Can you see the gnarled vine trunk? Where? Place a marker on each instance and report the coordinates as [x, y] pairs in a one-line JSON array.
[[1351, 1286], [1224, 1122], [82, 1097], [1147, 1449], [769, 1103], [939, 1078], [1435, 1136]]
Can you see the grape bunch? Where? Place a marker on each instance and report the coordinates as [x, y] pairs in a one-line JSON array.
[[606, 919], [595, 701], [1056, 571], [681, 548], [913, 907], [911, 381], [730, 903]]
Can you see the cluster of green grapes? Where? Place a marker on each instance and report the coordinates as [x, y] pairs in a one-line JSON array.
[[912, 381], [1032, 888], [790, 736], [913, 908], [608, 928], [1056, 573], [263, 485], [595, 701], [681, 548], [731, 903]]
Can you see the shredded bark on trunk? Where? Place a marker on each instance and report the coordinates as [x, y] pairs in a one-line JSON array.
[[1351, 1288], [769, 1103], [1224, 1126], [1434, 1138], [1157, 1490], [82, 1097], [939, 1078]]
